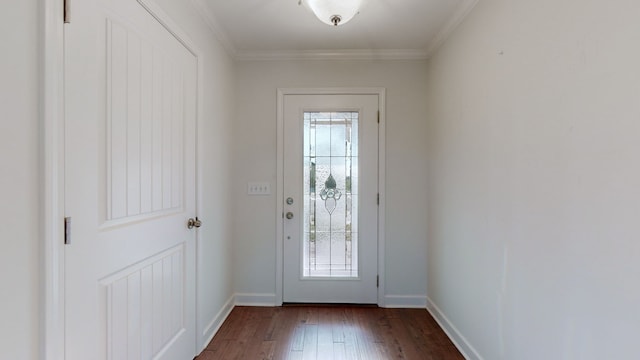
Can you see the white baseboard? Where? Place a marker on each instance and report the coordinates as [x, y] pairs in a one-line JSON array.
[[255, 299], [405, 301], [468, 351], [213, 327]]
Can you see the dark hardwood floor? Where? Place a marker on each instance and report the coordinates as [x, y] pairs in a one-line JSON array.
[[329, 332]]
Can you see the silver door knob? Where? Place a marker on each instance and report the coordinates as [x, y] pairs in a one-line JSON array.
[[289, 215], [194, 223]]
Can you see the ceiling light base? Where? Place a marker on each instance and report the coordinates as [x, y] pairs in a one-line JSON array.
[[333, 12]]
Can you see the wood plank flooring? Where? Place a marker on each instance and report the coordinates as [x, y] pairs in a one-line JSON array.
[[329, 332]]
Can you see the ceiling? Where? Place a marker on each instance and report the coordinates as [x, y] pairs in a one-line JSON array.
[[278, 29]]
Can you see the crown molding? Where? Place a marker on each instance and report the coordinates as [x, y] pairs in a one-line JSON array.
[[209, 17], [333, 54], [346, 54], [460, 14]]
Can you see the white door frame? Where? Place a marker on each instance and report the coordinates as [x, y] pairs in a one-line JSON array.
[[282, 92], [51, 65]]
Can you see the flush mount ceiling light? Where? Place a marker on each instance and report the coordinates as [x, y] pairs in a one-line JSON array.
[[333, 12]]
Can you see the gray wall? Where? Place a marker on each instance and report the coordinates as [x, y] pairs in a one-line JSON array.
[[19, 183], [255, 159], [533, 217]]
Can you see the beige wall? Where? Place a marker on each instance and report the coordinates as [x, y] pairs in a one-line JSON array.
[[534, 201], [19, 183], [255, 159]]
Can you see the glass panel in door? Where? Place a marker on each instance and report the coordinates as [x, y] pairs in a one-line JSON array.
[[330, 208]]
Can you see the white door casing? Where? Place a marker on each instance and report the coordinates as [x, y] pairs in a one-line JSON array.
[[358, 284], [130, 117]]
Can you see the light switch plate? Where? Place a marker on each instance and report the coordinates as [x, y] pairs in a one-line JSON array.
[[258, 188]]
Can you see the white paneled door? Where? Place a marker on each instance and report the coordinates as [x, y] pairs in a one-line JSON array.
[[130, 112], [330, 198]]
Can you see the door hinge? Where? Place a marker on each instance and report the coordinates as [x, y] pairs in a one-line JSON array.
[[378, 112], [378, 199], [67, 230], [67, 12], [377, 281]]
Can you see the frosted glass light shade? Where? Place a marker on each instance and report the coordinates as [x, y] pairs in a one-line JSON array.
[[327, 10]]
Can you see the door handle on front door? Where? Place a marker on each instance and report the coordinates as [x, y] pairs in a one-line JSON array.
[[289, 215]]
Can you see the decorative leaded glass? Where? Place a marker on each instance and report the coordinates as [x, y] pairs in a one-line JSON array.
[[330, 241]]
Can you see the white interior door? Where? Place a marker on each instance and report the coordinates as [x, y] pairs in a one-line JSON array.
[[330, 198], [130, 103]]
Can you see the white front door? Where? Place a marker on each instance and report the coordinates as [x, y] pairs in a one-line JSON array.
[[330, 198], [130, 104]]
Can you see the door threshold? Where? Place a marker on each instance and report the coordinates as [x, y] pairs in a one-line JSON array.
[[293, 304]]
